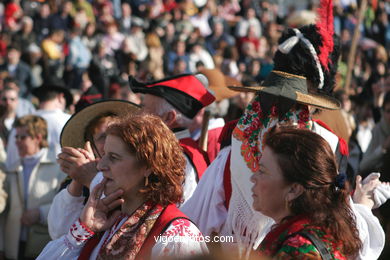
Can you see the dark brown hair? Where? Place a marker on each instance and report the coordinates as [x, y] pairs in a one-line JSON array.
[[155, 146], [306, 158]]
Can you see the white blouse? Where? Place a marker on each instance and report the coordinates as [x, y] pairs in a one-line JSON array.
[[181, 239]]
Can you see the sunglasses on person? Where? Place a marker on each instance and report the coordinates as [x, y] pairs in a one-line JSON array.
[[10, 99], [21, 137]]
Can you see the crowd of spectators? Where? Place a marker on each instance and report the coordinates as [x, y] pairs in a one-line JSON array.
[[97, 44]]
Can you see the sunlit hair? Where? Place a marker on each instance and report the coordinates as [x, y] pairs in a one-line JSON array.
[[152, 40], [156, 147], [306, 158], [35, 126]]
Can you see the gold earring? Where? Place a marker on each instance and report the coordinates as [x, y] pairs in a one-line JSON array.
[[287, 204], [146, 181]]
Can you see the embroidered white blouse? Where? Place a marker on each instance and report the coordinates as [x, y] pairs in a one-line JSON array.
[[182, 238]]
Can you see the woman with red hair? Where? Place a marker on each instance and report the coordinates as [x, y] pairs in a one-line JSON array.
[[143, 169]]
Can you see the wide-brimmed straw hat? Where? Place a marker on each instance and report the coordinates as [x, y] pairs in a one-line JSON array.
[[73, 133], [292, 87], [218, 83]]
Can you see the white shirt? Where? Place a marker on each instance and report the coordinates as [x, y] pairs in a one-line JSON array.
[[183, 242]]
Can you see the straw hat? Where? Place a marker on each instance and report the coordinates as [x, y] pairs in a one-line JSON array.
[[73, 133], [219, 83], [292, 87]]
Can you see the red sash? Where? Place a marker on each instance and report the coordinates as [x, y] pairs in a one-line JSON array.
[[198, 157], [170, 213], [227, 182]]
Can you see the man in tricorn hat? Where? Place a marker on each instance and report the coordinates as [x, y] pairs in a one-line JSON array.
[[302, 79], [177, 100]]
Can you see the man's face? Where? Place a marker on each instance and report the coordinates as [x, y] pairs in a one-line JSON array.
[[9, 100], [13, 56], [150, 104]]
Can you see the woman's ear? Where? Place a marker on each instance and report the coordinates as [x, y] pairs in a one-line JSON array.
[[147, 172], [295, 191]]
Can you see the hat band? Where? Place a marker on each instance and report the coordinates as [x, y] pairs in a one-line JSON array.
[[280, 83], [286, 46], [287, 75]]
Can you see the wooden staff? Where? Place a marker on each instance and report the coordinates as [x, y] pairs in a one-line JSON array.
[[204, 131], [354, 43]]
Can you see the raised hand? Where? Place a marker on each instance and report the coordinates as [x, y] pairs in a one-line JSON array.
[[97, 214], [364, 192], [79, 164]]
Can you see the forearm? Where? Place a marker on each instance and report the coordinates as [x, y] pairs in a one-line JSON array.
[[64, 211]]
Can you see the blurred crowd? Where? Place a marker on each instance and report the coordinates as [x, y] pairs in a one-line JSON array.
[[93, 46]]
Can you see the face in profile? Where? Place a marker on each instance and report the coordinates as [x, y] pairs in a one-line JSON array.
[[121, 168], [150, 104], [270, 188]]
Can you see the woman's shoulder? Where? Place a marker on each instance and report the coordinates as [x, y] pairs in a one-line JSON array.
[[300, 245], [182, 227], [182, 238]]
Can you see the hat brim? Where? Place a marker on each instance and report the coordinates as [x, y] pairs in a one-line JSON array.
[[292, 87], [316, 100], [73, 133], [218, 83]]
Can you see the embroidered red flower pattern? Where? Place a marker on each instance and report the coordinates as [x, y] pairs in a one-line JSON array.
[[254, 124]]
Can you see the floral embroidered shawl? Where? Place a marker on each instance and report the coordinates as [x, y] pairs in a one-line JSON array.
[[127, 241], [281, 244]]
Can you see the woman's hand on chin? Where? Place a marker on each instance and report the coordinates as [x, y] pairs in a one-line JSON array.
[[97, 214]]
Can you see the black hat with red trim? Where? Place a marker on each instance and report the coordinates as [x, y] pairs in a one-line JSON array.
[[185, 92]]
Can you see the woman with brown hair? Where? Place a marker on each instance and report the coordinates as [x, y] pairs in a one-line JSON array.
[[298, 186], [143, 169]]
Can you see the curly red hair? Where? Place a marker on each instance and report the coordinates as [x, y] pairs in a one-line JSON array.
[[155, 146]]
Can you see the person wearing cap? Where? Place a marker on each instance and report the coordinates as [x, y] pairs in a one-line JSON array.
[[82, 141], [53, 99], [177, 100], [305, 65]]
